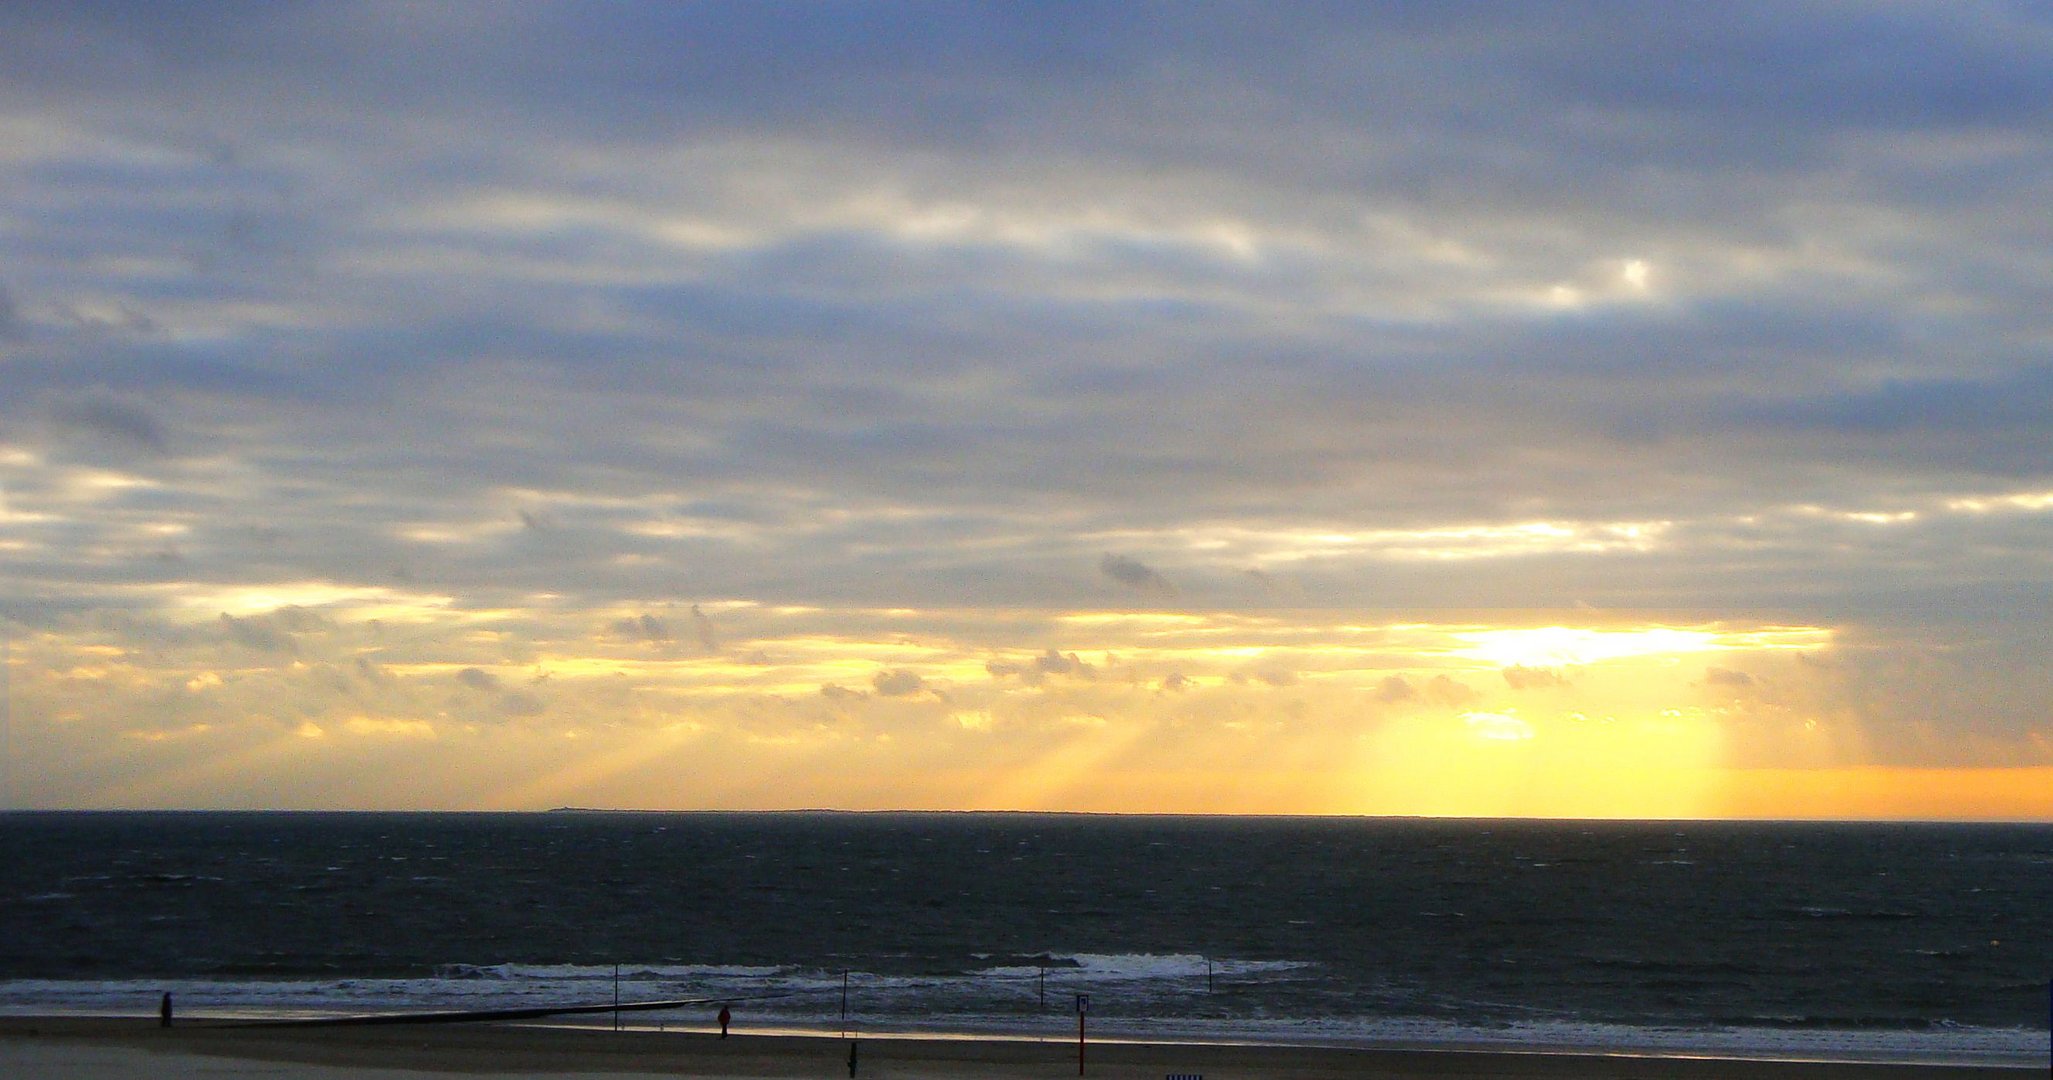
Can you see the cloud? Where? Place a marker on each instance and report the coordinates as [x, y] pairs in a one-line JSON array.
[[391, 727], [1497, 727], [11, 325], [113, 422], [118, 319], [1050, 662], [257, 635], [506, 701], [702, 626], [1134, 574], [643, 627], [521, 703], [1396, 689], [1448, 691], [275, 631], [898, 683], [1727, 677], [300, 620], [1519, 677], [1057, 663]]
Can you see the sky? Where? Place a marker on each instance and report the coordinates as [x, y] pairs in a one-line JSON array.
[[1493, 409]]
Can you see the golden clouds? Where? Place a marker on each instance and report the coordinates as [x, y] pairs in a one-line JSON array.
[[317, 703], [1556, 646], [1275, 547], [1173, 711]]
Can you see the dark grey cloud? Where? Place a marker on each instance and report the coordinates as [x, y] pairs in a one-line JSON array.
[[1134, 574], [898, 683], [300, 620], [1727, 677], [1036, 670], [1995, 423], [478, 679], [258, 635], [1052, 662], [643, 627], [521, 703], [117, 423], [702, 628]]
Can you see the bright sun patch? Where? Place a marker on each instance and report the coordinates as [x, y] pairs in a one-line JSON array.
[[1565, 646], [1497, 727]]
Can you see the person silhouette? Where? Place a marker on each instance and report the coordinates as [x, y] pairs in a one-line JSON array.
[[725, 1016]]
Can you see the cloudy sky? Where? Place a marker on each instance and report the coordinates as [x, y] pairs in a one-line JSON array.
[[1557, 409]]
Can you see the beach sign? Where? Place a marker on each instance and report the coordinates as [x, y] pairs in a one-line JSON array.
[[1083, 1005]]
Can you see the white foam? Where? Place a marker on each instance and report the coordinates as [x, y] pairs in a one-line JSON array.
[[606, 972], [1145, 967]]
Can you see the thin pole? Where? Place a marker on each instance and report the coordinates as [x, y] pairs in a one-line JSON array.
[[1079, 1042], [1041, 978], [616, 997], [844, 995], [1209, 988]]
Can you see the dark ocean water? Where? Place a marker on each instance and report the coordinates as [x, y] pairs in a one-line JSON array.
[[1827, 939]]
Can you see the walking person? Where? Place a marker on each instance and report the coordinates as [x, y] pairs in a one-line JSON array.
[[725, 1016]]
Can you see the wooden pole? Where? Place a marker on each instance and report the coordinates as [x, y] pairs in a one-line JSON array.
[[1083, 1007], [616, 997]]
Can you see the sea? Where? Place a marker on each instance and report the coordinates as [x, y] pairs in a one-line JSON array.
[[1867, 942]]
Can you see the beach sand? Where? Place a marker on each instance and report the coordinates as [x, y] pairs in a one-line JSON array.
[[117, 1049]]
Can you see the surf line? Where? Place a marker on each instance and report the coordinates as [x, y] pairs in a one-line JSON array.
[[482, 1015]]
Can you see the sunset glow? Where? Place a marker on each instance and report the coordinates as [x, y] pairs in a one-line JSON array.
[[685, 406]]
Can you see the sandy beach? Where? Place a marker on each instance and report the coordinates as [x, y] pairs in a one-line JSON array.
[[107, 1049]]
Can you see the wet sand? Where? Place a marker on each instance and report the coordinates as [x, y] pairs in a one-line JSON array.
[[117, 1049]]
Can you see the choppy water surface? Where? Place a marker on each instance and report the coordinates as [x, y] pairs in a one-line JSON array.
[[1836, 940]]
